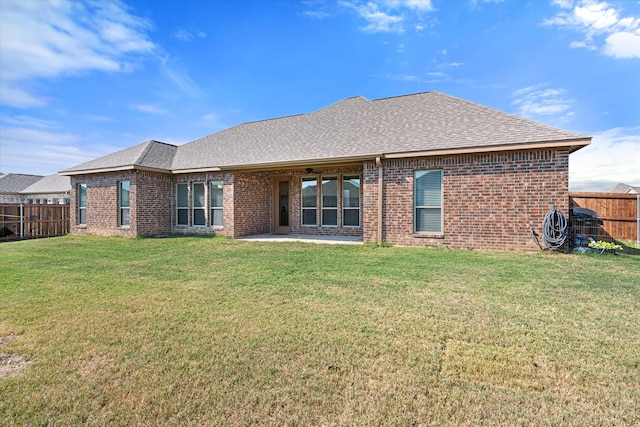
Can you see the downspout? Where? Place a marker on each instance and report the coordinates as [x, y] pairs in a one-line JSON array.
[[380, 198]]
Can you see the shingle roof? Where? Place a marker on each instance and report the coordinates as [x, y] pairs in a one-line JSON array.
[[623, 188], [150, 154], [355, 128], [49, 184], [16, 182]]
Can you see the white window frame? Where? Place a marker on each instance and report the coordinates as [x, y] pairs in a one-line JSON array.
[[427, 206], [329, 208], [180, 208], [314, 208], [199, 209], [121, 208], [220, 185], [350, 208], [82, 207]]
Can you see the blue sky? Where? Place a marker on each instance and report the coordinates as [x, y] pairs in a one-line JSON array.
[[79, 80]]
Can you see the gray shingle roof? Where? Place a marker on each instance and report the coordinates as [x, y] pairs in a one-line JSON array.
[[150, 154], [49, 184], [13, 183], [623, 188], [349, 129]]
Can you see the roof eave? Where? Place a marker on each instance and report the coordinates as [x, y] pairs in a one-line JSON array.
[[572, 144], [114, 169]]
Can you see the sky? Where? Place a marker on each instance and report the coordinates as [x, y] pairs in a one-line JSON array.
[[82, 79]]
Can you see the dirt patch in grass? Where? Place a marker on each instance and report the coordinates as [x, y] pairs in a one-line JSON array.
[[11, 364], [501, 366]]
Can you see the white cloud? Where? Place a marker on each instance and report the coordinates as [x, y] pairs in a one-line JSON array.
[[187, 36], [534, 101], [390, 16], [49, 150], [51, 39], [602, 27], [149, 109], [179, 75], [623, 45], [613, 157]]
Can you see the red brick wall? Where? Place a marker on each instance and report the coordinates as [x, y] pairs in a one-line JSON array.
[[490, 201], [102, 204], [152, 203], [227, 193]]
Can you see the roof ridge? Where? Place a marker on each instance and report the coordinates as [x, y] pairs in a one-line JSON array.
[[149, 143]]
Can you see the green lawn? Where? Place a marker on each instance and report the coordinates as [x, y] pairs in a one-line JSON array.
[[212, 331]]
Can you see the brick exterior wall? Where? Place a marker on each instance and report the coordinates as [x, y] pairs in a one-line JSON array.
[[490, 201], [102, 204]]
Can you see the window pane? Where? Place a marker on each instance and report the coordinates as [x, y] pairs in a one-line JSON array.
[[198, 195], [329, 192], [182, 196], [198, 217], [429, 220], [124, 194], [351, 217], [351, 192], [329, 217], [308, 216], [216, 194], [183, 217], [125, 219], [82, 196], [428, 187], [309, 192], [216, 217], [82, 216]]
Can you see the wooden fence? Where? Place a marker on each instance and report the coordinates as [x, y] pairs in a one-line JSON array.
[[33, 221], [617, 211]]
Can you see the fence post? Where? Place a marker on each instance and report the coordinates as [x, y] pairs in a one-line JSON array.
[[21, 222]]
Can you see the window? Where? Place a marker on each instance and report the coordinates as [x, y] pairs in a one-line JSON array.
[[329, 201], [216, 195], [82, 204], [182, 204], [309, 201], [198, 204], [124, 209], [351, 201], [428, 201]]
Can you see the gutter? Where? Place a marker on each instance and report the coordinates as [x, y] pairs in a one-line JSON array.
[[380, 197]]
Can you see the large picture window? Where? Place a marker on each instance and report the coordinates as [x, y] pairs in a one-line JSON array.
[[216, 195], [330, 201], [309, 201], [182, 204], [82, 204], [428, 201], [351, 201], [199, 218], [124, 207]]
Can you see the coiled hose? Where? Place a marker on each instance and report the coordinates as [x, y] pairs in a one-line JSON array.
[[554, 229]]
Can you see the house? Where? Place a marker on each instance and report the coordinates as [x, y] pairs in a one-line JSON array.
[[623, 188], [425, 169], [12, 184], [51, 189]]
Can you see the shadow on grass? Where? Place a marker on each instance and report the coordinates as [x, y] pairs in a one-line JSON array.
[[629, 248]]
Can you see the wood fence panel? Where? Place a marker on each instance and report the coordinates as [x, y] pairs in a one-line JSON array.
[[37, 221], [618, 212]]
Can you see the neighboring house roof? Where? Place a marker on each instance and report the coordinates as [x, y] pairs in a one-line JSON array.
[[13, 183], [623, 188], [428, 123], [49, 184]]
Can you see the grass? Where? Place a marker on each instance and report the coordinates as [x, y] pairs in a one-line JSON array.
[[212, 331]]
